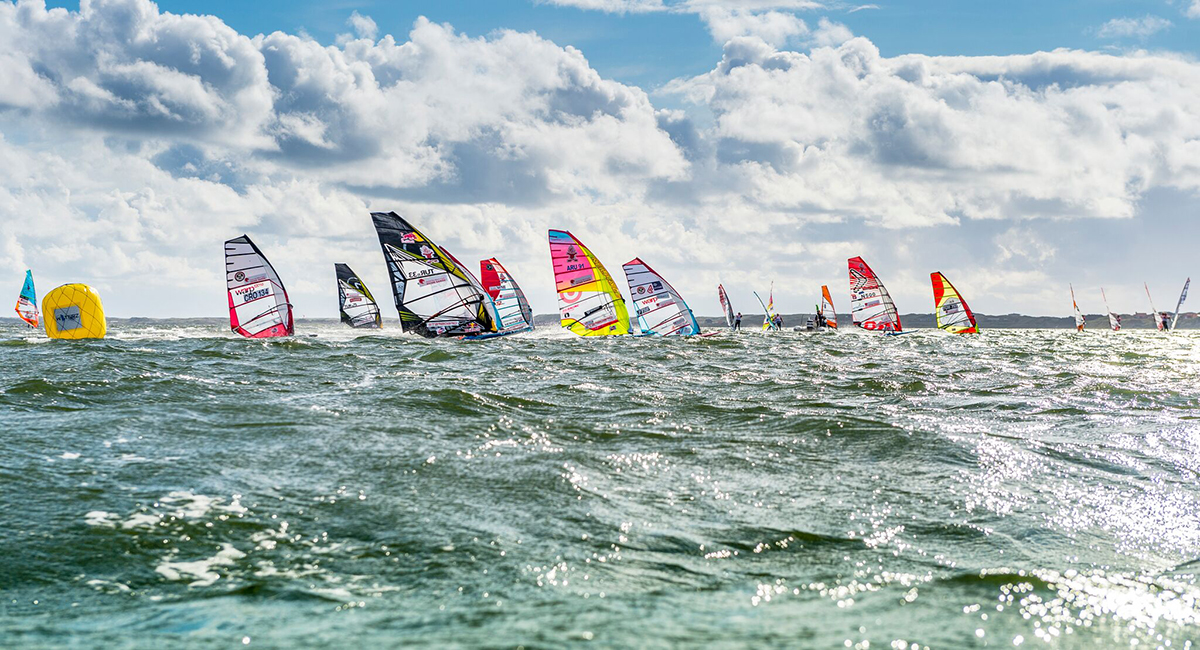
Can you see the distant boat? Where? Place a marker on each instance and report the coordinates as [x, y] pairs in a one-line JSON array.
[[725, 304], [514, 310], [1114, 320], [1161, 319], [27, 302], [658, 307], [1179, 305], [589, 302], [953, 314], [355, 303], [435, 295], [1079, 320], [871, 307], [258, 302]]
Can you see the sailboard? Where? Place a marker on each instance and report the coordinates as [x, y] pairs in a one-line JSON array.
[[953, 314], [871, 306], [659, 309], [769, 309], [589, 302], [1160, 319], [435, 295], [1179, 305], [514, 310], [1114, 320], [355, 302], [74, 311], [831, 320], [258, 302], [1079, 320], [725, 304], [27, 302]]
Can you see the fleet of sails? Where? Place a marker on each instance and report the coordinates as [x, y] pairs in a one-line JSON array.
[[437, 296]]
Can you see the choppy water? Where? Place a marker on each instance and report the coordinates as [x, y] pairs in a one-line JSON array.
[[173, 485]]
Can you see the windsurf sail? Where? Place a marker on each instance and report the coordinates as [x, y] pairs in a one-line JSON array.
[[659, 307], [27, 302], [589, 302], [953, 314], [769, 308], [827, 306], [435, 295], [511, 305], [871, 306], [1160, 323], [1179, 305], [1114, 320], [725, 304], [355, 302], [258, 303], [766, 310], [1079, 320]]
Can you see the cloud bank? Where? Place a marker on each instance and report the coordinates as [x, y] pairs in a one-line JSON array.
[[134, 141]]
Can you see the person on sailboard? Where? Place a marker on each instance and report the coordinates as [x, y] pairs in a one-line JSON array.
[[737, 321], [778, 322]]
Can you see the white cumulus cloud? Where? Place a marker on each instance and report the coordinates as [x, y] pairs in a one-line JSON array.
[[1141, 28]]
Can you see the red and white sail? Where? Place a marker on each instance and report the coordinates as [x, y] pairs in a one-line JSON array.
[[871, 307], [258, 303], [725, 304]]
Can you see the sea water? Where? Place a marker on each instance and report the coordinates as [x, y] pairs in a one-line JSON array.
[[174, 486]]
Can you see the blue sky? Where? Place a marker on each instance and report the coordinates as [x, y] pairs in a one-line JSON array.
[[721, 140]]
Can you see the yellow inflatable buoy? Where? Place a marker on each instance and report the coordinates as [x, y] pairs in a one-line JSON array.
[[73, 311]]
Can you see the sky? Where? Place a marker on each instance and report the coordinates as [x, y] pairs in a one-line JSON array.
[[1019, 147]]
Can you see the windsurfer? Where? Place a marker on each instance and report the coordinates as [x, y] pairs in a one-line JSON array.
[[737, 321]]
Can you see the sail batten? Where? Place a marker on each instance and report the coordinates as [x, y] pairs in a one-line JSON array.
[[435, 295], [511, 306], [871, 306], [258, 302], [953, 313], [658, 307], [589, 301], [355, 302], [26, 308]]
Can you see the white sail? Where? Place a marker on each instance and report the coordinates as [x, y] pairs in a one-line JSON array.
[[1179, 305], [659, 308], [258, 303], [1114, 320]]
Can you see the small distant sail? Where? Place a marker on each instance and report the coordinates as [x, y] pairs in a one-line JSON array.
[[831, 320], [1079, 320], [511, 305], [1114, 320], [659, 307], [1160, 321], [435, 295], [258, 303], [27, 302], [355, 302], [589, 302], [953, 314], [74, 311], [1179, 305], [725, 304], [769, 309], [871, 306]]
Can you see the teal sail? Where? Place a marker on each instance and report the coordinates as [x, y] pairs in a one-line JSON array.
[[27, 302]]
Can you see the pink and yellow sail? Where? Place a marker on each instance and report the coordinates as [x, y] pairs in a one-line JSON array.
[[589, 302]]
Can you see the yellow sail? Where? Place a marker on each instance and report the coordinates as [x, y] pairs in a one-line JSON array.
[[73, 311], [953, 314]]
